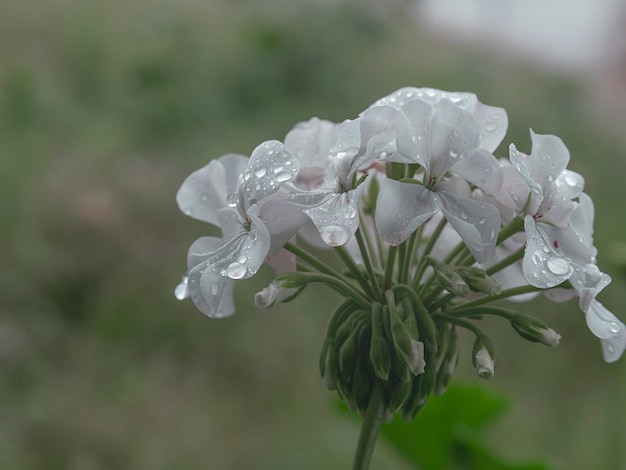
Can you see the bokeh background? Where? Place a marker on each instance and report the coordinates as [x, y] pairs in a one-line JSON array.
[[106, 106]]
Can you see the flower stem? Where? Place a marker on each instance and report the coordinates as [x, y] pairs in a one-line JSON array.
[[369, 429]]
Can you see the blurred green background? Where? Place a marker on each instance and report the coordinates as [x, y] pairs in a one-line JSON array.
[[105, 107]]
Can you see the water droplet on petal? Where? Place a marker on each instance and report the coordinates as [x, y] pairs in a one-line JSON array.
[[571, 179], [204, 197], [260, 173], [231, 200], [214, 289], [187, 211], [278, 169], [482, 220], [491, 126], [610, 348], [614, 328], [536, 257], [335, 235], [284, 176], [558, 266], [235, 271]]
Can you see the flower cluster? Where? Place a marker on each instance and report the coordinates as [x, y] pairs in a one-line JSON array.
[[430, 225]]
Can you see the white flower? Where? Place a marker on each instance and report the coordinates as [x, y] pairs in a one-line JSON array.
[[608, 328], [327, 190], [211, 194], [445, 139], [549, 208], [274, 293]]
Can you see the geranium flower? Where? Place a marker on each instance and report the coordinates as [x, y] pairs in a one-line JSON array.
[[210, 194], [448, 141]]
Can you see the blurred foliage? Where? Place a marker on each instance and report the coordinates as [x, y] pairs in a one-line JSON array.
[[105, 107], [447, 433]]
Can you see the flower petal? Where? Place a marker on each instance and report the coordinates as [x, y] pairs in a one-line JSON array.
[[413, 131], [204, 192], [337, 217], [481, 169], [269, 167], [454, 134], [211, 292], [401, 208], [608, 328], [543, 266], [477, 223]]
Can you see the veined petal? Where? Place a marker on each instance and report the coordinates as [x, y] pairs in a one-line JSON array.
[[378, 135], [454, 134], [401, 208], [481, 169], [201, 250], [413, 133], [543, 266], [477, 223], [269, 167], [309, 142], [211, 292], [204, 191], [283, 219], [601, 322], [548, 158], [337, 217], [519, 160], [493, 122]]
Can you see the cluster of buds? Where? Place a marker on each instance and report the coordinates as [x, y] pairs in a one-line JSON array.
[[431, 227]]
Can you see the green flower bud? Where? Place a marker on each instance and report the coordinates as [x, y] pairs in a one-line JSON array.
[[483, 357], [535, 330], [408, 348], [275, 293], [449, 278], [478, 280], [448, 364], [379, 348]]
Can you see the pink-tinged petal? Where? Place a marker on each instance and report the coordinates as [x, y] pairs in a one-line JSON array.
[[413, 133], [282, 262], [454, 134], [543, 266], [481, 169], [205, 191], [477, 223], [270, 166], [337, 217], [211, 292], [401, 208]]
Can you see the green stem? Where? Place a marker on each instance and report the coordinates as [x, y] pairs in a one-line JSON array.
[[370, 428], [491, 298], [340, 286], [506, 262], [368, 265], [311, 260], [391, 258], [354, 269], [427, 250]]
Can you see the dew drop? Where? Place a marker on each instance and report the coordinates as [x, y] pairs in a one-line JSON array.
[[614, 328], [231, 200], [571, 180], [260, 173], [610, 348], [214, 289], [187, 211], [284, 176], [491, 126], [536, 258], [558, 266], [464, 215], [278, 169], [204, 197], [236, 271], [335, 235], [482, 220], [181, 291]]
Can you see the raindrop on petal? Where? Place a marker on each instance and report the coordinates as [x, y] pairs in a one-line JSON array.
[[235, 271], [558, 266], [335, 235], [284, 176], [260, 173]]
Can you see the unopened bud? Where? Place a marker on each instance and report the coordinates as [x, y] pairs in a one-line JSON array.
[[482, 358], [449, 278], [478, 280], [275, 293], [534, 330]]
